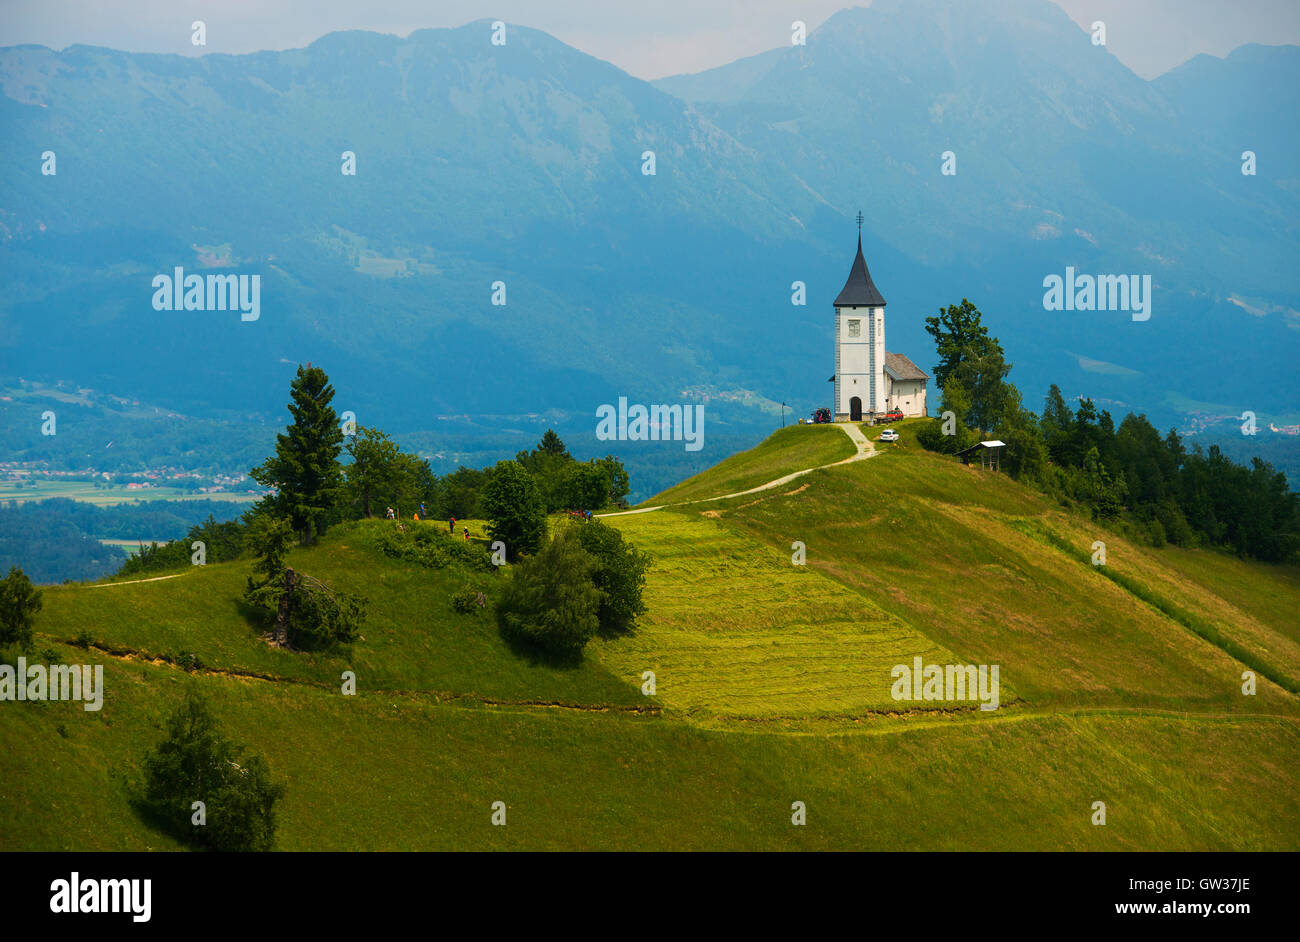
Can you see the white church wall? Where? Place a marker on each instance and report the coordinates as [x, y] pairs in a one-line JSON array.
[[908, 396], [854, 361]]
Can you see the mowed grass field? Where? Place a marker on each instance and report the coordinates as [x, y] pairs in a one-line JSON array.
[[793, 448], [953, 550], [736, 631], [772, 687]]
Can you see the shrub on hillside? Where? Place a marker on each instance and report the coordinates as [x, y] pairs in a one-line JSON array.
[[196, 763], [317, 617], [466, 601], [619, 575], [433, 547], [550, 603], [19, 603]]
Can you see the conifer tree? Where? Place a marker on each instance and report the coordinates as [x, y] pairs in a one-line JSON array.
[[305, 468]]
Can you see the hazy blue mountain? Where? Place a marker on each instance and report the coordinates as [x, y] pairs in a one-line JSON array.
[[522, 163], [1064, 157], [1248, 100], [476, 163]]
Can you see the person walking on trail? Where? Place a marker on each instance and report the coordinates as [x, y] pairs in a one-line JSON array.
[[390, 515], [451, 526], [467, 534], [423, 515]]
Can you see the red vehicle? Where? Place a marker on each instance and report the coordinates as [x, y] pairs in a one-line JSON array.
[[893, 415]]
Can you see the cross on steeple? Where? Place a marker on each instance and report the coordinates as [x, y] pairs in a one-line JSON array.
[[859, 222]]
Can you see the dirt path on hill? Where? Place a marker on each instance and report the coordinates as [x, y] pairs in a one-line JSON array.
[[865, 449], [109, 585]]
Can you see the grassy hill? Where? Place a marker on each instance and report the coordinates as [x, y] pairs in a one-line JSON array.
[[1118, 684]]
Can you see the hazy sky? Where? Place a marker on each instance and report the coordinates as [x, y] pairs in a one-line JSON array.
[[649, 40]]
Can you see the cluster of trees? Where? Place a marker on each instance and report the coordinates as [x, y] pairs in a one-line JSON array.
[[585, 579], [222, 541], [313, 489], [380, 475], [128, 520], [205, 790], [1128, 474]]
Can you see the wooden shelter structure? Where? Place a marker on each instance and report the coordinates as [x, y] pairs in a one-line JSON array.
[[990, 454]]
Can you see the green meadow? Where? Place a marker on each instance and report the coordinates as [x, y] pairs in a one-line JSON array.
[[791, 449], [772, 685]]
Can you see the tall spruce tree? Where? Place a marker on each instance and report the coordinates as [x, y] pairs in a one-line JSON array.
[[305, 468]]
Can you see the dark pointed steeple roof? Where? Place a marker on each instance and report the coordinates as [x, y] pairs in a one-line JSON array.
[[860, 290]]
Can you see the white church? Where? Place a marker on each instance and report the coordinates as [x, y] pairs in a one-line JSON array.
[[868, 381]]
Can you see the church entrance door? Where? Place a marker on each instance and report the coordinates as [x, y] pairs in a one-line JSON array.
[[855, 409]]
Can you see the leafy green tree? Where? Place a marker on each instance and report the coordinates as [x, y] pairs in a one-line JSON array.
[[515, 509], [585, 486], [309, 615], [1025, 457], [381, 473], [983, 375], [457, 494], [619, 482], [1105, 493], [931, 435], [550, 464], [550, 603], [969, 355], [195, 762], [619, 575], [369, 477], [19, 603], [305, 468], [959, 336]]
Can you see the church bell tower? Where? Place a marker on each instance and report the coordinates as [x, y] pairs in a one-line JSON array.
[[859, 344]]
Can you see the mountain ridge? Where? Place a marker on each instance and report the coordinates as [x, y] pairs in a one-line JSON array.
[[522, 164]]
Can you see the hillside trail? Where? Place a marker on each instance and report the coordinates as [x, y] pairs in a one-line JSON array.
[[865, 449], [109, 585]]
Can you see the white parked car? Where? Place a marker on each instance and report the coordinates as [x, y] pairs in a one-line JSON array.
[[889, 435]]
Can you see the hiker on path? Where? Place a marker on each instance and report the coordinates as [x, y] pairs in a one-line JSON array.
[[467, 534], [391, 515], [451, 526]]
